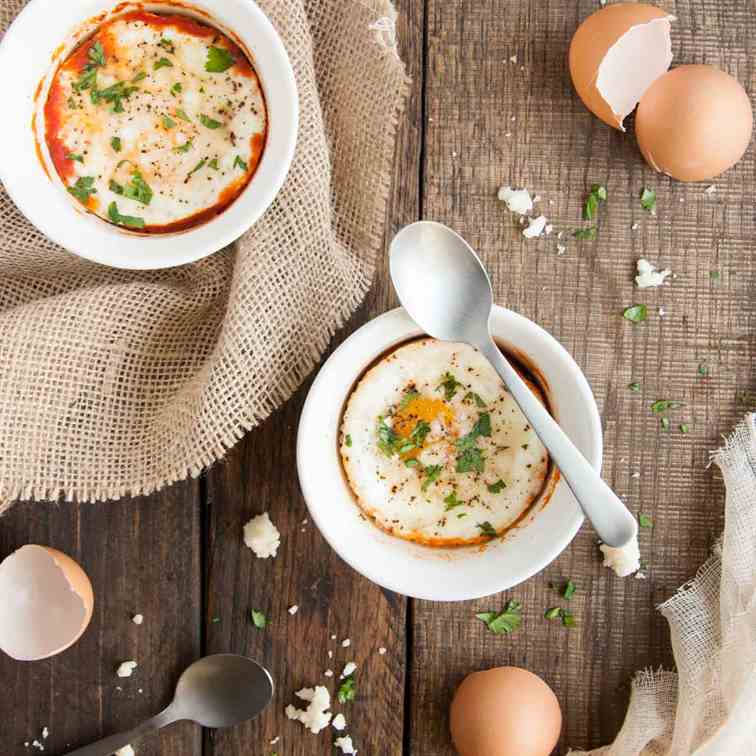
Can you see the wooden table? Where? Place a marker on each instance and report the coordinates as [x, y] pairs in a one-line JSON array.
[[474, 121]]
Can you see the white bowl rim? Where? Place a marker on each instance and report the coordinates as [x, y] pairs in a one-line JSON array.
[[28, 47], [352, 357]]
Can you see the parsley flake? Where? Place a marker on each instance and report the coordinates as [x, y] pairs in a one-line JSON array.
[[182, 115], [116, 144], [665, 423], [645, 521], [75, 156], [487, 529], [648, 200], [684, 428], [636, 313], [162, 63], [218, 60], [472, 396], [168, 122], [239, 163], [167, 45], [259, 620], [635, 387], [348, 441], [176, 89], [504, 622], [209, 123], [83, 188], [452, 501], [124, 220], [138, 190], [597, 195], [449, 384], [554, 613], [347, 691], [497, 487], [569, 590], [703, 370], [214, 164], [663, 405], [185, 147], [432, 473], [197, 167], [586, 234]]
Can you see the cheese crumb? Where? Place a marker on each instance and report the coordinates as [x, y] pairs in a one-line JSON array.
[[328, 673], [648, 276], [45, 733], [513, 59], [710, 190], [635, 226], [293, 609], [126, 669], [623, 561], [561, 249], [262, 536], [127, 750], [137, 619], [339, 723], [275, 740], [346, 643], [535, 227], [345, 744], [517, 200], [36, 744], [330, 654], [382, 651], [349, 669], [316, 716]]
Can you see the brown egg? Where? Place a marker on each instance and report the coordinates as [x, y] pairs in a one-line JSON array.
[[616, 54], [694, 123], [506, 711]]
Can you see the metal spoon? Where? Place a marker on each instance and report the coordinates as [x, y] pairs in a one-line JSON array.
[[445, 288], [217, 691]]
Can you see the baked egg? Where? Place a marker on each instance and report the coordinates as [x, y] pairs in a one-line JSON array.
[[435, 449]]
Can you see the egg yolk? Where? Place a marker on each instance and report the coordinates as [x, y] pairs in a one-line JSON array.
[[420, 409]]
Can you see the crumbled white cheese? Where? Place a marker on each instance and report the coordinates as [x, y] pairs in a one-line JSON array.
[[127, 750], [561, 249], [339, 723], [45, 733], [262, 536], [635, 226], [549, 229], [345, 744], [623, 561], [333, 637], [662, 312], [649, 276], [535, 227], [710, 190], [36, 744], [330, 654], [126, 669], [137, 619], [328, 673], [275, 740], [348, 669], [382, 651], [518, 200], [293, 609], [316, 716], [346, 643], [513, 59], [635, 475]]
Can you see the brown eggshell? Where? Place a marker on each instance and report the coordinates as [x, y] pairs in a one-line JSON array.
[[593, 39], [47, 603], [505, 711], [694, 123]]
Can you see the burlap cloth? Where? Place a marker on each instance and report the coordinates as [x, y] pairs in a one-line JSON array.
[[116, 383], [708, 706]]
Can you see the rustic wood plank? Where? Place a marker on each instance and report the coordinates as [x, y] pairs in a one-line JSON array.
[[493, 122], [260, 475], [142, 556]]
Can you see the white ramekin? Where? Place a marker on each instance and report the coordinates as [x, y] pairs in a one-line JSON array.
[[419, 571], [41, 36]]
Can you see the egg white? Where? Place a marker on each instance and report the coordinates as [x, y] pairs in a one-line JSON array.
[[393, 494]]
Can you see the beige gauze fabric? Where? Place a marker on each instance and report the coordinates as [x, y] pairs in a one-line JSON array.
[[115, 383], [708, 707]]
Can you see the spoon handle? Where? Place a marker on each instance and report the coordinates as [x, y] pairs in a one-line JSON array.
[[610, 518], [111, 744]]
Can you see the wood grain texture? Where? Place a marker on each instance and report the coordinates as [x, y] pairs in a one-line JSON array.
[[492, 122], [142, 556], [259, 476]]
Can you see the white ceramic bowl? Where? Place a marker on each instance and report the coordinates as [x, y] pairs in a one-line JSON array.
[[30, 53], [420, 571]]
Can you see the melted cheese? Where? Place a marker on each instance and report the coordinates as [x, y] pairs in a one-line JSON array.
[[158, 118], [425, 398]]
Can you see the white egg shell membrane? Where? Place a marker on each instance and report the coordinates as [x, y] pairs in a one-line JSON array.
[[391, 493], [232, 98], [40, 613], [633, 64]]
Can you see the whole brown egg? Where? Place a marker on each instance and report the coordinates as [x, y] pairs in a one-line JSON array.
[[694, 123], [505, 711]]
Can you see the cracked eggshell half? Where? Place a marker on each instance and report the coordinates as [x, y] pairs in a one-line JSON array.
[[46, 605], [694, 123], [616, 54]]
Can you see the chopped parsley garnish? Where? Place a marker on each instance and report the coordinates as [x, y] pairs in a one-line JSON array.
[[347, 691], [176, 89], [635, 387], [182, 115], [420, 431], [167, 45], [432, 473], [703, 370], [114, 95], [259, 620], [411, 463], [567, 619], [452, 501], [88, 78], [648, 200], [141, 76], [168, 122], [553, 613], [450, 385], [202, 163], [665, 423], [218, 60], [116, 144], [215, 620], [497, 487], [597, 194], [470, 457], [348, 441], [471, 396], [96, 55], [569, 590], [407, 399], [185, 147], [636, 313], [586, 234], [471, 460], [83, 188], [645, 521], [487, 529], [209, 123], [556, 612], [214, 164], [72, 103], [684, 428], [162, 63], [138, 190], [239, 163], [388, 439], [505, 621], [75, 156], [114, 186], [662, 405], [123, 220], [715, 275]]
